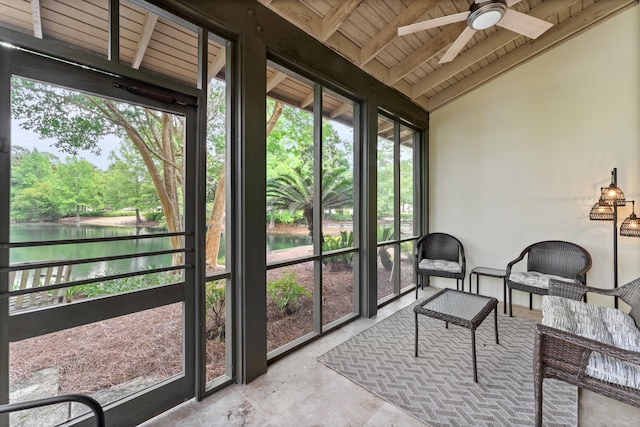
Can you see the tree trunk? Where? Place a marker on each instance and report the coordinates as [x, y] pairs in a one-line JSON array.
[[216, 221]]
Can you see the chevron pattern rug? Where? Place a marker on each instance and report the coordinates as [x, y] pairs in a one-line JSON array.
[[438, 386]]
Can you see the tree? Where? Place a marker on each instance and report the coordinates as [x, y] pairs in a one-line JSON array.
[[77, 185], [294, 192], [127, 182], [78, 121], [32, 181]]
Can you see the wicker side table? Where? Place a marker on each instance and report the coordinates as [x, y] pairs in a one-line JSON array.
[[489, 272], [462, 309]]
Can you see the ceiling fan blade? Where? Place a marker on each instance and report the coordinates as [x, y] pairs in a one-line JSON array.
[[512, 2], [524, 24], [457, 45], [432, 23]]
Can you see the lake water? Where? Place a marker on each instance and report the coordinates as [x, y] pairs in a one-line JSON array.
[[42, 232], [49, 231]]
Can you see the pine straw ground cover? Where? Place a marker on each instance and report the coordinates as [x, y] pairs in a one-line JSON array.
[[149, 343]]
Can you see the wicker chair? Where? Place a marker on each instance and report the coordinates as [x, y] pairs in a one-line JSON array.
[[549, 259], [439, 255], [564, 355]]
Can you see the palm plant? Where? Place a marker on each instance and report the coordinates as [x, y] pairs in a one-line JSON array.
[[385, 233], [294, 191]]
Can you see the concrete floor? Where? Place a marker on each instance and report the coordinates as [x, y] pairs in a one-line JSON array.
[[299, 391]]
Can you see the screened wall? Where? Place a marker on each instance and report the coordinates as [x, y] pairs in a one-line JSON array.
[[170, 201]]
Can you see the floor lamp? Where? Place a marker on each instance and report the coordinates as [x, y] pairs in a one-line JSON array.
[[606, 209]]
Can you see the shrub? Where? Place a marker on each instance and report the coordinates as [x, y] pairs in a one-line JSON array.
[[285, 217], [215, 293], [332, 243], [340, 216], [385, 233], [287, 293], [153, 215], [126, 284]]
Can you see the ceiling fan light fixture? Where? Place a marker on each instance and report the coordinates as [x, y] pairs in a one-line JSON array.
[[485, 15]]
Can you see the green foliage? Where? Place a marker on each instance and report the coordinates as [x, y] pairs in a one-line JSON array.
[[77, 185], [115, 286], [287, 293], [331, 243], [127, 181], [154, 215], [295, 192], [285, 217], [215, 293], [385, 233], [340, 216], [36, 203]]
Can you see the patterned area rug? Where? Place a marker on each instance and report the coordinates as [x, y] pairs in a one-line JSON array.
[[438, 386]]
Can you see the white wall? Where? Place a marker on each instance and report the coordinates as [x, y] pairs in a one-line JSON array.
[[522, 158]]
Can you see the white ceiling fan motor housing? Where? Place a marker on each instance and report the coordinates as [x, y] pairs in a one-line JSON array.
[[485, 15]]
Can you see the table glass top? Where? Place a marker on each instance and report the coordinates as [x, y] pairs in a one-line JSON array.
[[487, 271], [458, 304]]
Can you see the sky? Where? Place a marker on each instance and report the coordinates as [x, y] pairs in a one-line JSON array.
[[30, 140]]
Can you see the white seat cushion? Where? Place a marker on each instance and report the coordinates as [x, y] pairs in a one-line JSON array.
[[603, 324], [440, 264], [535, 279]]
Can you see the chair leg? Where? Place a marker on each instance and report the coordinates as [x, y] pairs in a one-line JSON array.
[[510, 304], [530, 301], [537, 378]]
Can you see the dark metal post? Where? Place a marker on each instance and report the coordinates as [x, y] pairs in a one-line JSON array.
[[614, 179]]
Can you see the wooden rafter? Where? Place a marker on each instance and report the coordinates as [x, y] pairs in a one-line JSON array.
[[390, 32], [36, 18], [150, 20], [341, 109], [332, 21], [307, 100], [275, 79], [470, 56], [593, 13], [216, 65]]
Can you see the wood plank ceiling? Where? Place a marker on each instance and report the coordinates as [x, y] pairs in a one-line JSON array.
[[365, 32], [362, 31]]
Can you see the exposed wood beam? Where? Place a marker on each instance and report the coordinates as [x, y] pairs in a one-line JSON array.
[[307, 100], [216, 65], [300, 15], [425, 53], [390, 31], [342, 108], [470, 56], [556, 35], [332, 21], [275, 78], [36, 18], [384, 126], [150, 20]]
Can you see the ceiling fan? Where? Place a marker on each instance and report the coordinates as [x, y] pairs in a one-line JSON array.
[[481, 15]]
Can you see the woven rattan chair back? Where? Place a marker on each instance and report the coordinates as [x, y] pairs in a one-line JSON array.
[[439, 246]]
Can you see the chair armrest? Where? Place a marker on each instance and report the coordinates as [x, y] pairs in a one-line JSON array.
[[575, 290], [515, 261], [587, 344]]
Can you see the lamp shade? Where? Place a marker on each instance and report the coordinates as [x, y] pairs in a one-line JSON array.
[[631, 226], [612, 194], [601, 212]]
